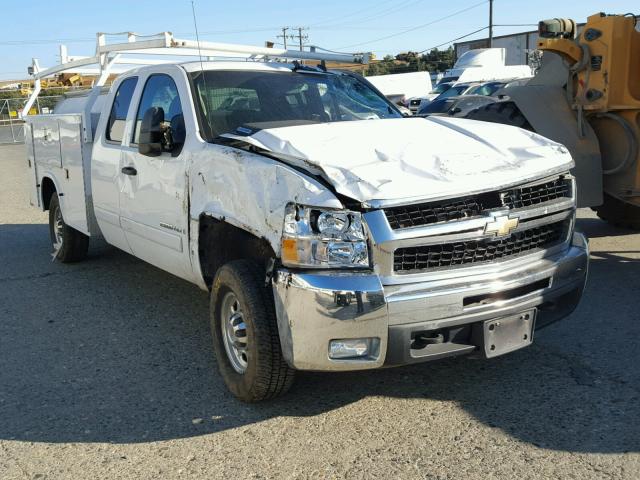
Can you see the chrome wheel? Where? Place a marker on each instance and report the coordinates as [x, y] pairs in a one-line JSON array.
[[58, 229], [234, 332]]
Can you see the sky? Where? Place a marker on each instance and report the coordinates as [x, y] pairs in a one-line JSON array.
[[35, 28]]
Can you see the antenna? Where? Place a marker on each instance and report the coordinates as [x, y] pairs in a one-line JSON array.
[[203, 98], [195, 25]]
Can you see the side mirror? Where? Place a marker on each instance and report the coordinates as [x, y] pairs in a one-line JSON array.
[[177, 135], [455, 110], [150, 141]]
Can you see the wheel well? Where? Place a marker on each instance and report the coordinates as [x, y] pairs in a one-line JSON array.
[[220, 242], [48, 188]]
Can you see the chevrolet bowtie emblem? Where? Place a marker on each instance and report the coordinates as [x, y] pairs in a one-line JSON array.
[[501, 226]]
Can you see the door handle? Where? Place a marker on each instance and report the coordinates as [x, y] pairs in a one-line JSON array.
[[129, 171]]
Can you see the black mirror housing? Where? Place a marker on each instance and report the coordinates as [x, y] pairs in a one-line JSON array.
[[150, 141]]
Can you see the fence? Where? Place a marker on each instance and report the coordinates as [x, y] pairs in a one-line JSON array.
[[11, 125]]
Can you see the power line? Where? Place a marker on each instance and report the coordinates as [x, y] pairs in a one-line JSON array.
[[417, 27], [405, 4], [479, 30], [455, 39], [369, 8]]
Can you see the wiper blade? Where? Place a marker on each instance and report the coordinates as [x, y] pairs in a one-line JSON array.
[[299, 67]]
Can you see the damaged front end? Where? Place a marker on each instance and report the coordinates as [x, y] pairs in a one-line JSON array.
[[451, 277], [389, 252]]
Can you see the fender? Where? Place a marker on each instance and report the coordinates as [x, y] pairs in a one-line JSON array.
[[249, 191]]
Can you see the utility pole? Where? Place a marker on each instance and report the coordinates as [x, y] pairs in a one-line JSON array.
[[284, 36], [301, 37], [490, 23]]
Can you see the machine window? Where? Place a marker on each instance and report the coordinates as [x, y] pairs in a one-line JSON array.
[[159, 91], [119, 109]]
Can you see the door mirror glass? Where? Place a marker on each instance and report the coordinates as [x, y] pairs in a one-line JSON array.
[[151, 134], [176, 135]]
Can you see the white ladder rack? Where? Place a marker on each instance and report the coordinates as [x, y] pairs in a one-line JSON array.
[[109, 56]]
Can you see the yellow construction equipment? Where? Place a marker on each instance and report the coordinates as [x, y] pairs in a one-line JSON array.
[[586, 95]]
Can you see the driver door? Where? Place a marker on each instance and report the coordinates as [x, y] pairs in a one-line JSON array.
[[153, 203]]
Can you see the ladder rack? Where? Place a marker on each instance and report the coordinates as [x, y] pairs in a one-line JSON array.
[[117, 57]]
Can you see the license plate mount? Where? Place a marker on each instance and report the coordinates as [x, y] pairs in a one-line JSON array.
[[506, 334]]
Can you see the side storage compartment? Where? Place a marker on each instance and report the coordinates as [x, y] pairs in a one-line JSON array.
[[34, 197], [58, 155], [74, 205]]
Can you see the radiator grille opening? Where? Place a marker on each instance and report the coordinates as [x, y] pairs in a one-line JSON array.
[[533, 195], [428, 257], [473, 205]]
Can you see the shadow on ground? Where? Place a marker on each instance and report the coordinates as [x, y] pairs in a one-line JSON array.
[[114, 350]]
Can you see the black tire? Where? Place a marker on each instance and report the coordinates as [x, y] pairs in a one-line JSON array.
[[506, 113], [619, 213], [69, 245], [266, 373]]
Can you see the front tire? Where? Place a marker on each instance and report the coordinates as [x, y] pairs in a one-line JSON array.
[[69, 245], [245, 334]]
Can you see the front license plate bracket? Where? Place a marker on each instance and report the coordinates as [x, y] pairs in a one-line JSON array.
[[506, 334]]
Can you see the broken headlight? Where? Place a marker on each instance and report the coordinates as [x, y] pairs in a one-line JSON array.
[[323, 238]]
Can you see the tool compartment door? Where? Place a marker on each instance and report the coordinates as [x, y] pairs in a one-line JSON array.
[[74, 208], [57, 150]]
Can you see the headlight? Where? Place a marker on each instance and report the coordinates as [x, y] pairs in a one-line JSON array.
[[321, 238]]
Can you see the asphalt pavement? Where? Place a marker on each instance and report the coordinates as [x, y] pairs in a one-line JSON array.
[[107, 371]]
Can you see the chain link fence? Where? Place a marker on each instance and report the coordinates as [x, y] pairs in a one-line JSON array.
[[11, 125]]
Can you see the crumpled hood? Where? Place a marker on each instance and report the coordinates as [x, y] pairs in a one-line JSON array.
[[408, 159]]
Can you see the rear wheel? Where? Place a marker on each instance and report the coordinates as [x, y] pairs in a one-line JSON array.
[[245, 333], [506, 113], [69, 245], [619, 213]]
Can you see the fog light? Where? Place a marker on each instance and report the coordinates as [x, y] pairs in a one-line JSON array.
[[354, 348]]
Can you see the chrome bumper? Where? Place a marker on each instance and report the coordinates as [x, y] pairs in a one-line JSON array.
[[315, 308]]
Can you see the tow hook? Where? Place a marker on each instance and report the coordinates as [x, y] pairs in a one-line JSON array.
[[431, 338]]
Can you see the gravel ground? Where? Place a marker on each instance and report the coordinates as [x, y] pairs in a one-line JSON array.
[[106, 371]]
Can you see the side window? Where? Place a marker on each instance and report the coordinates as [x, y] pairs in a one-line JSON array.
[[119, 109], [159, 91]]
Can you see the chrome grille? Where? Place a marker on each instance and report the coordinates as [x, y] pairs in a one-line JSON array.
[[428, 257], [527, 196], [444, 211], [473, 205]]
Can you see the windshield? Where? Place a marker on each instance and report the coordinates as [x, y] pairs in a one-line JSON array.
[[485, 89], [453, 91], [229, 100], [441, 87]]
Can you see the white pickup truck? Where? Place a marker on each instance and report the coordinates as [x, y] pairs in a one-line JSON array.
[[332, 233]]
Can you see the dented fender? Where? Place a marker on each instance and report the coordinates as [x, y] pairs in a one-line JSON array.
[[249, 191]]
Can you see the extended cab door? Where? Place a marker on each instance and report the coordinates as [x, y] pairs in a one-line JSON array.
[[154, 197], [106, 160]]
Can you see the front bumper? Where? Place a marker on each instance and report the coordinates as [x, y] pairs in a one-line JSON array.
[[315, 308]]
